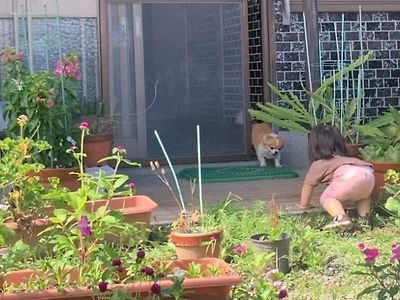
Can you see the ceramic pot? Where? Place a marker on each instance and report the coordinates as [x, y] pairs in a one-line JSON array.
[[279, 247], [197, 245], [353, 150], [210, 288], [67, 180], [97, 146], [380, 168]]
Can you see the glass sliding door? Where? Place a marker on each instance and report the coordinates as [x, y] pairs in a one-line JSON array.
[[173, 66]]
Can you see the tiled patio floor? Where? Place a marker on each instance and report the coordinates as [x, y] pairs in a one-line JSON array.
[[287, 191]]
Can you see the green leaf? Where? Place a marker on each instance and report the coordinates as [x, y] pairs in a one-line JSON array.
[[368, 290], [392, 204]]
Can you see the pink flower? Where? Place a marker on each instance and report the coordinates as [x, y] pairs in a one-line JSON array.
[[50, 103], [213, 239], [270, 273], [282, 294], [370, 254], [131, 186], [71, 149], [277, 284], [239, 249], [155, 288], [361, 246], [58, 68], [84, 125], [118, 149], [395, 253]]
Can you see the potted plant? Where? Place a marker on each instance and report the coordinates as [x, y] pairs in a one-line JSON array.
[[98, 143], [323, 108], [107, 190], [383, 138], [392, 186], [22, 190], [274, 240], [48, 99], [190, 235], [83, 266]]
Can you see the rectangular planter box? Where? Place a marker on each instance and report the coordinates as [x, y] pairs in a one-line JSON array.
[[210, 288], [135, 209]]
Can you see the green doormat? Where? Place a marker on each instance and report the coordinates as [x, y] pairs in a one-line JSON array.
[[241, 173]]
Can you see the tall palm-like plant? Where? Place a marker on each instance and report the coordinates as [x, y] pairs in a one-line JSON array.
[[296, 116]]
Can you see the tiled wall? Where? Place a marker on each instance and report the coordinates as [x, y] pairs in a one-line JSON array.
[[255, 51], [380, 33]]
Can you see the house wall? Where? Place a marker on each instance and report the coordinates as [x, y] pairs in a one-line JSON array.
[[66, 8]]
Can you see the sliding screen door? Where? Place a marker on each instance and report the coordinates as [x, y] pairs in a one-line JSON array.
[[173, 66]]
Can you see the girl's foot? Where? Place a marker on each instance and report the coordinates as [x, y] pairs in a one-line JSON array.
[[342, 222]]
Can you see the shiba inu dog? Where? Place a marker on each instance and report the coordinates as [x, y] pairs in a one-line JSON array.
[[266, 143]]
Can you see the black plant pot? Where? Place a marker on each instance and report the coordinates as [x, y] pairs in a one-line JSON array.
[[279, 247]]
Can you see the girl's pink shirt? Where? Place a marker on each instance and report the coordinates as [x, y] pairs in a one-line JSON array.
[[321, 171]]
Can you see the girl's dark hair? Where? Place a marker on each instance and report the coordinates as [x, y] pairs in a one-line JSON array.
[[324, 142]]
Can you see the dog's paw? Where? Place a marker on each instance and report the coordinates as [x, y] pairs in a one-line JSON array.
[[278, 166], [263, 165]]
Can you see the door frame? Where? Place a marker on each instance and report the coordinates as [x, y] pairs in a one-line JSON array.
[[105, 87]]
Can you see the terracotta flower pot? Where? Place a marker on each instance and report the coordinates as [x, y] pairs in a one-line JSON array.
[[353, 150], [29, 237], [97, 146], [135, 209], [197, 245], [210, 288], [380, 168], [67, 180]]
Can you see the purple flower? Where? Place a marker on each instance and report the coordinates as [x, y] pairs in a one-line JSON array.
[[84, 226], [147, 271], [155, 288], [116, 262], [395, 253], [282, 294], [140, 254], [103, 286], [131, 186], [239, 249]]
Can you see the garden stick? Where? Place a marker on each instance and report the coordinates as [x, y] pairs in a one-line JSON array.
[[341, 79], [171, 167], [362, 66], [60, 52], [309, 67], [199, 166], [46, 38]]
